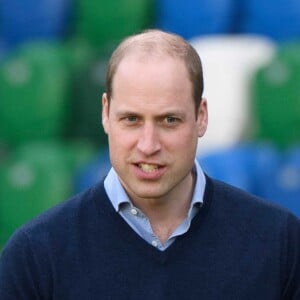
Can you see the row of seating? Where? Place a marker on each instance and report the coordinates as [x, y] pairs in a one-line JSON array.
[[277, 19], [100, 22], [251, 86], [52, 90], [40, 175], [97, 21]]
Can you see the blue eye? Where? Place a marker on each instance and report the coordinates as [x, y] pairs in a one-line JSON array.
[[171, 120], [131, 118]]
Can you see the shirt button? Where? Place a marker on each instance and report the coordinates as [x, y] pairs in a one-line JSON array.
[[154, 243], [134, 211]]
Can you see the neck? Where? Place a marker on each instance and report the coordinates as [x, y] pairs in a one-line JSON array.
[[167, 213]]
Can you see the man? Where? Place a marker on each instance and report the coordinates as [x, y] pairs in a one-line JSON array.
[[157, 227]]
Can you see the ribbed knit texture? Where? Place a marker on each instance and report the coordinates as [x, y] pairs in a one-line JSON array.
[[238, 247]]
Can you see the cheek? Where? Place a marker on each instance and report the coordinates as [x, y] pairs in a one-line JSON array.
[[120, 140], [184, 138]]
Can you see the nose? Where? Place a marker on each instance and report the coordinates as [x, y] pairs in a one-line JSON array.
[[149, 142]]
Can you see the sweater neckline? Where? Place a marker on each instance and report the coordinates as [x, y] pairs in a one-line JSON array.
[[105, 210]]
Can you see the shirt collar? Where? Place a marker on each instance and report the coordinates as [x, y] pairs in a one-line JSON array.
[[117, 194]]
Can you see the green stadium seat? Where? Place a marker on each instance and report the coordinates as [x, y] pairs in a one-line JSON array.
[[103, 21], [80, 53], [28, 187], [73, 153], [276, 98], [36, 177], [88, 87], [34, 93]]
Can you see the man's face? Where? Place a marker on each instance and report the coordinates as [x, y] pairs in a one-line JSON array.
[[152, 127]]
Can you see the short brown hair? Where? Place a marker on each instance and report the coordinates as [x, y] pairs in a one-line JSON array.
[[157, 41]]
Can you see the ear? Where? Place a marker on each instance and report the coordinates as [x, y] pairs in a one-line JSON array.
[[202, 117], [105, 113]]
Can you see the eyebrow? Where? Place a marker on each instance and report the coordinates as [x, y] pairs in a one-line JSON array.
[[160, 115], [121, 113]]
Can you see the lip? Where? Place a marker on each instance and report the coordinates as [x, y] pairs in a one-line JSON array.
[[153, 175]]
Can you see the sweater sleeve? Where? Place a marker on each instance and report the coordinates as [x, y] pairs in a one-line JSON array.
[[21, 274], [291, 260]]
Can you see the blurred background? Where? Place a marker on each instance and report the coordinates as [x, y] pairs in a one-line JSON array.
[[53, 57]]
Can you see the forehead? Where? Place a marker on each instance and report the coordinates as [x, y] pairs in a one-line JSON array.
[[161, 71], [152, 83]]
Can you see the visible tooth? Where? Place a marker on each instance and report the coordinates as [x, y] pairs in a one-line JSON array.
[[148, 168]]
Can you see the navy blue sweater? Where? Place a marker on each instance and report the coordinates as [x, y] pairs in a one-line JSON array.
[[238, 247]]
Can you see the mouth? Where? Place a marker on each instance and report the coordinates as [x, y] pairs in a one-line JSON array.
[[148, 168]]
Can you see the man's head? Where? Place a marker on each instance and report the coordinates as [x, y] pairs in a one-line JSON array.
[[150, 118], [156, 42]]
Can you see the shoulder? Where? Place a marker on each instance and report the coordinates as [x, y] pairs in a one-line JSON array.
[[266, 229], [250, 219], [27, 260], [67, 210], [58, 224], [236, 203]]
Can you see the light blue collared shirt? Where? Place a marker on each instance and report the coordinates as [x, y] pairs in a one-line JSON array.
[[139, 221]]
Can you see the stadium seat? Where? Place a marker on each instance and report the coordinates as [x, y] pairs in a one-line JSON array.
[[229, 62], [88, 87], [194, 18], [101, 22], [3, 50], [28, 186], [276, 98], [34, 93], [93, 172], [36, 177], [74, 154], [280, 180], [80, 53], [279, 20], [235, 165], [29, 20]]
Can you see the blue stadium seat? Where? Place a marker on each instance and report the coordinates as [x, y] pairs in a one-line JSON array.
[[235, 165], [279, 19], [194, 17], [93, 172], [280, 182], [3, 49], [34, 19]]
